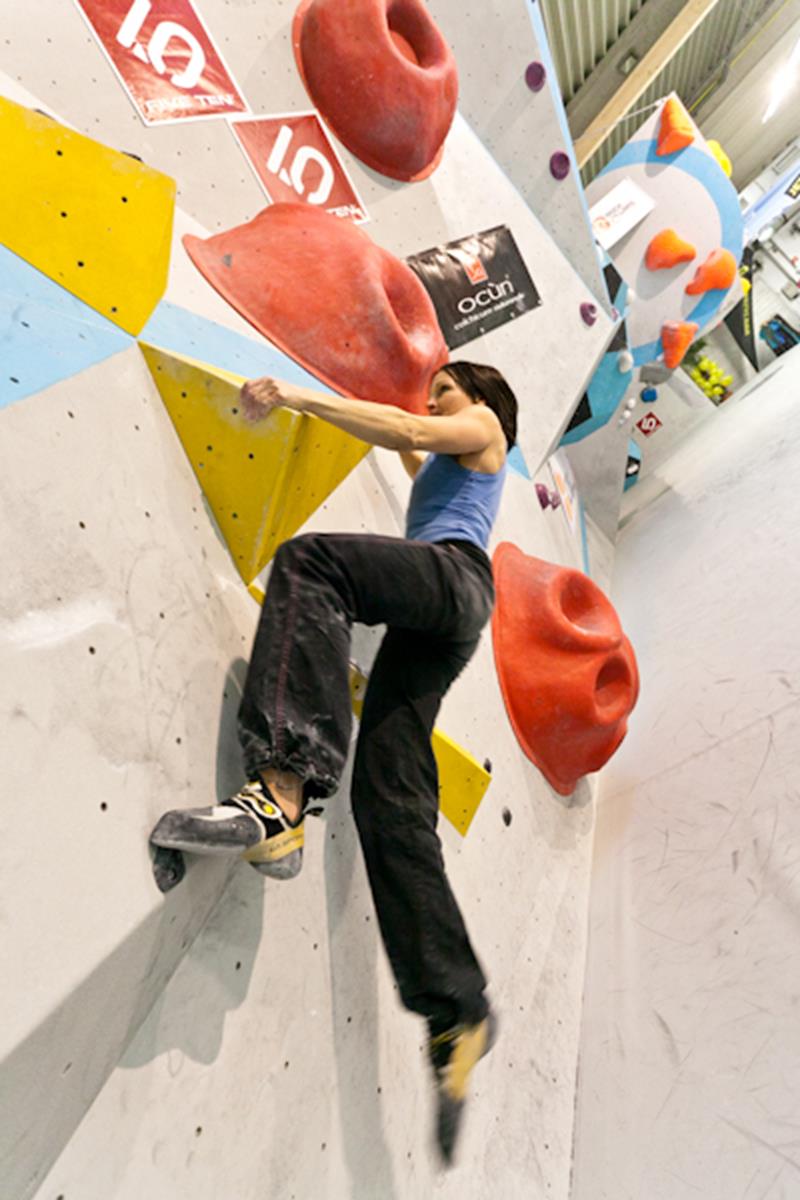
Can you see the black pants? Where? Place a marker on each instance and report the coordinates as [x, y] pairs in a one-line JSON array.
[[296, 715]]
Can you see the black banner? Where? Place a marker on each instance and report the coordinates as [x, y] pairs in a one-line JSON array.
[[476, 284], [740, 319]]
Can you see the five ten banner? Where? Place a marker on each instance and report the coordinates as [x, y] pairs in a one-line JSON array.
[[165, 58]]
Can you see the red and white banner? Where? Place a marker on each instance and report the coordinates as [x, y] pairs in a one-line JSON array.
[[165, 59], [648, 425], [295, 161]]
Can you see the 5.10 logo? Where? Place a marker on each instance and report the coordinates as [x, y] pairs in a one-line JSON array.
[[649, 425], [294, 160], [165, 58]]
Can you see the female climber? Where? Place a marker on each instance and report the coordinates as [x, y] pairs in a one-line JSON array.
[[433, 590]]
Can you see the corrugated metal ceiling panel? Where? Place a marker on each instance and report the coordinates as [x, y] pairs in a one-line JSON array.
[[690, 73], [580, 34]]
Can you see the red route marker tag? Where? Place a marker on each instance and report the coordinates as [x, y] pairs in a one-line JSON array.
[[649, 425], [165, 59], [295, 161]]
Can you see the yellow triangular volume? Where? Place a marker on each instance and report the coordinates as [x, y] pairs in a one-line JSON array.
[[94, 220], [262, 480], [462, 780]]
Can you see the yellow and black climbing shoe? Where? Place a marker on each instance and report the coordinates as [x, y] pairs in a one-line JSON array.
[[453, 1055], [250, 823]]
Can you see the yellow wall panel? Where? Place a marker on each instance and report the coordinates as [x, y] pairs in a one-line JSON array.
[[96, 221], [262, 481], [462, 780]]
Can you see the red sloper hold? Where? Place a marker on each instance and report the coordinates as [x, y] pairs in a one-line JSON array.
[[567, 672], [321, 290], [383, 77]]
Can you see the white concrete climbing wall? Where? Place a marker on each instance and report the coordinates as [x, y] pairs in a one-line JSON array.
[[277, 1062], [121, 641], [510, 94]]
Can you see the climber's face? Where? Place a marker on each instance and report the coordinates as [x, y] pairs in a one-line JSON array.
[[446, 398]]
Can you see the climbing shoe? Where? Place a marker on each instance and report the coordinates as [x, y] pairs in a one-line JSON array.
[[453, 1055], [250, 823]]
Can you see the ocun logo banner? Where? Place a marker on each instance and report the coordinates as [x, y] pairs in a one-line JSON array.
[[294, 160], [476, 284], [164, 58]]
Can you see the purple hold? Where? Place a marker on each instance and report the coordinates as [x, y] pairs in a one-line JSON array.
[[555, 500], [535, 76], [559, 165], [543, 495], [588, 313]]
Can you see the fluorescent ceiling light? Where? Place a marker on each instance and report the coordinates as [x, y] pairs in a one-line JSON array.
[[784, 81]]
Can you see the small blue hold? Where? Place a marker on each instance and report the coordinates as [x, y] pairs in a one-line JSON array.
[[648, 395]]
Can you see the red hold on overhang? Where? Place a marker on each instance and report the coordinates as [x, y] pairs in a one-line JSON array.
[[323, 292], [567, 672], [382, 77]]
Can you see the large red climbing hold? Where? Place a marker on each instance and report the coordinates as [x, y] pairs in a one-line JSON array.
[[676, 338], [383, 78], [667, 250], [677, 128], [321, 290], [717, 272], [567, 672]]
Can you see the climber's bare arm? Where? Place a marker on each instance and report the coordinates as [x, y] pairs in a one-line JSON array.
[[466, 432]]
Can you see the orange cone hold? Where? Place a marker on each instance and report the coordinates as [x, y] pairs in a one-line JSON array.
[[382, 76], [321, 290], [667, 250], [718, 271], [676, 338], [567, 672], [677, 128]]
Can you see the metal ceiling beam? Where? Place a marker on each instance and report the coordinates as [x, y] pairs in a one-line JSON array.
[[660, 53]]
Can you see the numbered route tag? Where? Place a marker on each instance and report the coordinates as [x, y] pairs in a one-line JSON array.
[[164, 58], [295, 161], [649, 424]]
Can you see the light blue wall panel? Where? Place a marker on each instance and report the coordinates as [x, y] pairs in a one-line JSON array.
[[46, 334]]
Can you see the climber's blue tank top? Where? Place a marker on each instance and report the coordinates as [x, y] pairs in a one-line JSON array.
[[450, 502]]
